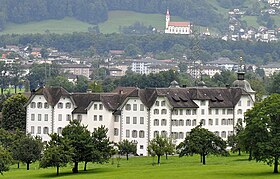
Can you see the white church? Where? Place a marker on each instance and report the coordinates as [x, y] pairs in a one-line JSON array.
[[140, 114], [176, 27]]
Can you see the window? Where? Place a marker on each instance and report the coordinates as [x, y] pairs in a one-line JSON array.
[[95, 106], [141, 134], [248, 103], [128, 107], [194, 122], [188, 112], [230, 133], [224, 111], [163, 122], [39, 130], [239, 103], [202, 112], [175, 112], [127, 133], [39, 117], [157, 103], [181, 111], [203, 122], [134, 120], [80, 117], [141, 147], [141, 120], [68, 117], [39, 105], [116, 119], [224, 122], [181, 135], [46, 117], [156, 111], [174, 135], [127, 120], [194, 112], [46, 105], [32, 130], [217, 133], [216, 121], [100, 106], [163, 103], [68, 105], [32, 117], [210, 122], [181, 122], [163, 134], [46, 130], [141, 107], [59, 130], [174, 122], [239, 121], [33, 105], [209, 111], [134, 134], [188, 122], [239, 111], [134, 107], [217, 111], [223, 134], [230, 111], [202, 103], [60, 105], [116, 131], [156, 133], [163, 111], [100, 118], [59, 117], [156, 122], [230, 121]]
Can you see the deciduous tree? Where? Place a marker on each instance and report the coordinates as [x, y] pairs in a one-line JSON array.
[[157, 147], [5, 160], [127, 147]]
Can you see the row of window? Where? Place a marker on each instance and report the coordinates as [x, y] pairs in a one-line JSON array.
[[45, 130], [96, 116], [134, 133], [134, 107], [95, 107], [163, 103], [46, 117], [135, 120], [46, 105], [248, 103], [194, 111]]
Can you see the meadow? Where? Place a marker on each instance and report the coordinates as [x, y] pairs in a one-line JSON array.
[[141, 167]]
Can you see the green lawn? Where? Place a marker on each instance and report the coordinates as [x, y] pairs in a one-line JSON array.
[[141, 167], [126, 18], [66, 25], [251, 21]]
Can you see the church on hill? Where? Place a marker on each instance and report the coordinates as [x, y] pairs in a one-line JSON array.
[[176, 27]]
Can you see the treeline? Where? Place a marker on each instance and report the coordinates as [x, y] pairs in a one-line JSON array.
[[165, 46], [94, 11]]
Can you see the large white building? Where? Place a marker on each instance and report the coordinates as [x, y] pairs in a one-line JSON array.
[[140, 114], [176, 27]]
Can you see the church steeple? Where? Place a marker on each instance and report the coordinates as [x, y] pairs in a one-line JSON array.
[[167, 18]]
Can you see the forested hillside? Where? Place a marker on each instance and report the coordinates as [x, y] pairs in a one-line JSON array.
[[201, 12]]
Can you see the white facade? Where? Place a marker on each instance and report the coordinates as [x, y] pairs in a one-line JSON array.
[[139, 114]]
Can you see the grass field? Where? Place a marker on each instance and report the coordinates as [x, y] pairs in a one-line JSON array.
[[66, 25], [69, 25], [187, 167]]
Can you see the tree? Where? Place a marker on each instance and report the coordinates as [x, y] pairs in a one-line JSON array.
[[274, 86], [102, 147], [202, 142], [157, 147], [15, 73], [30, 149], [169, 148], [57, 153], [127, 147], [80, 140], [5, 160], [14, 113], [262, 127]]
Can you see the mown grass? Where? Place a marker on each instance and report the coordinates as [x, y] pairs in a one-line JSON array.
[[141, 167]]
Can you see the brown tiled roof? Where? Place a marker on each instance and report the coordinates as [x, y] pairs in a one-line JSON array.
[[82, 101], [52, 94]]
